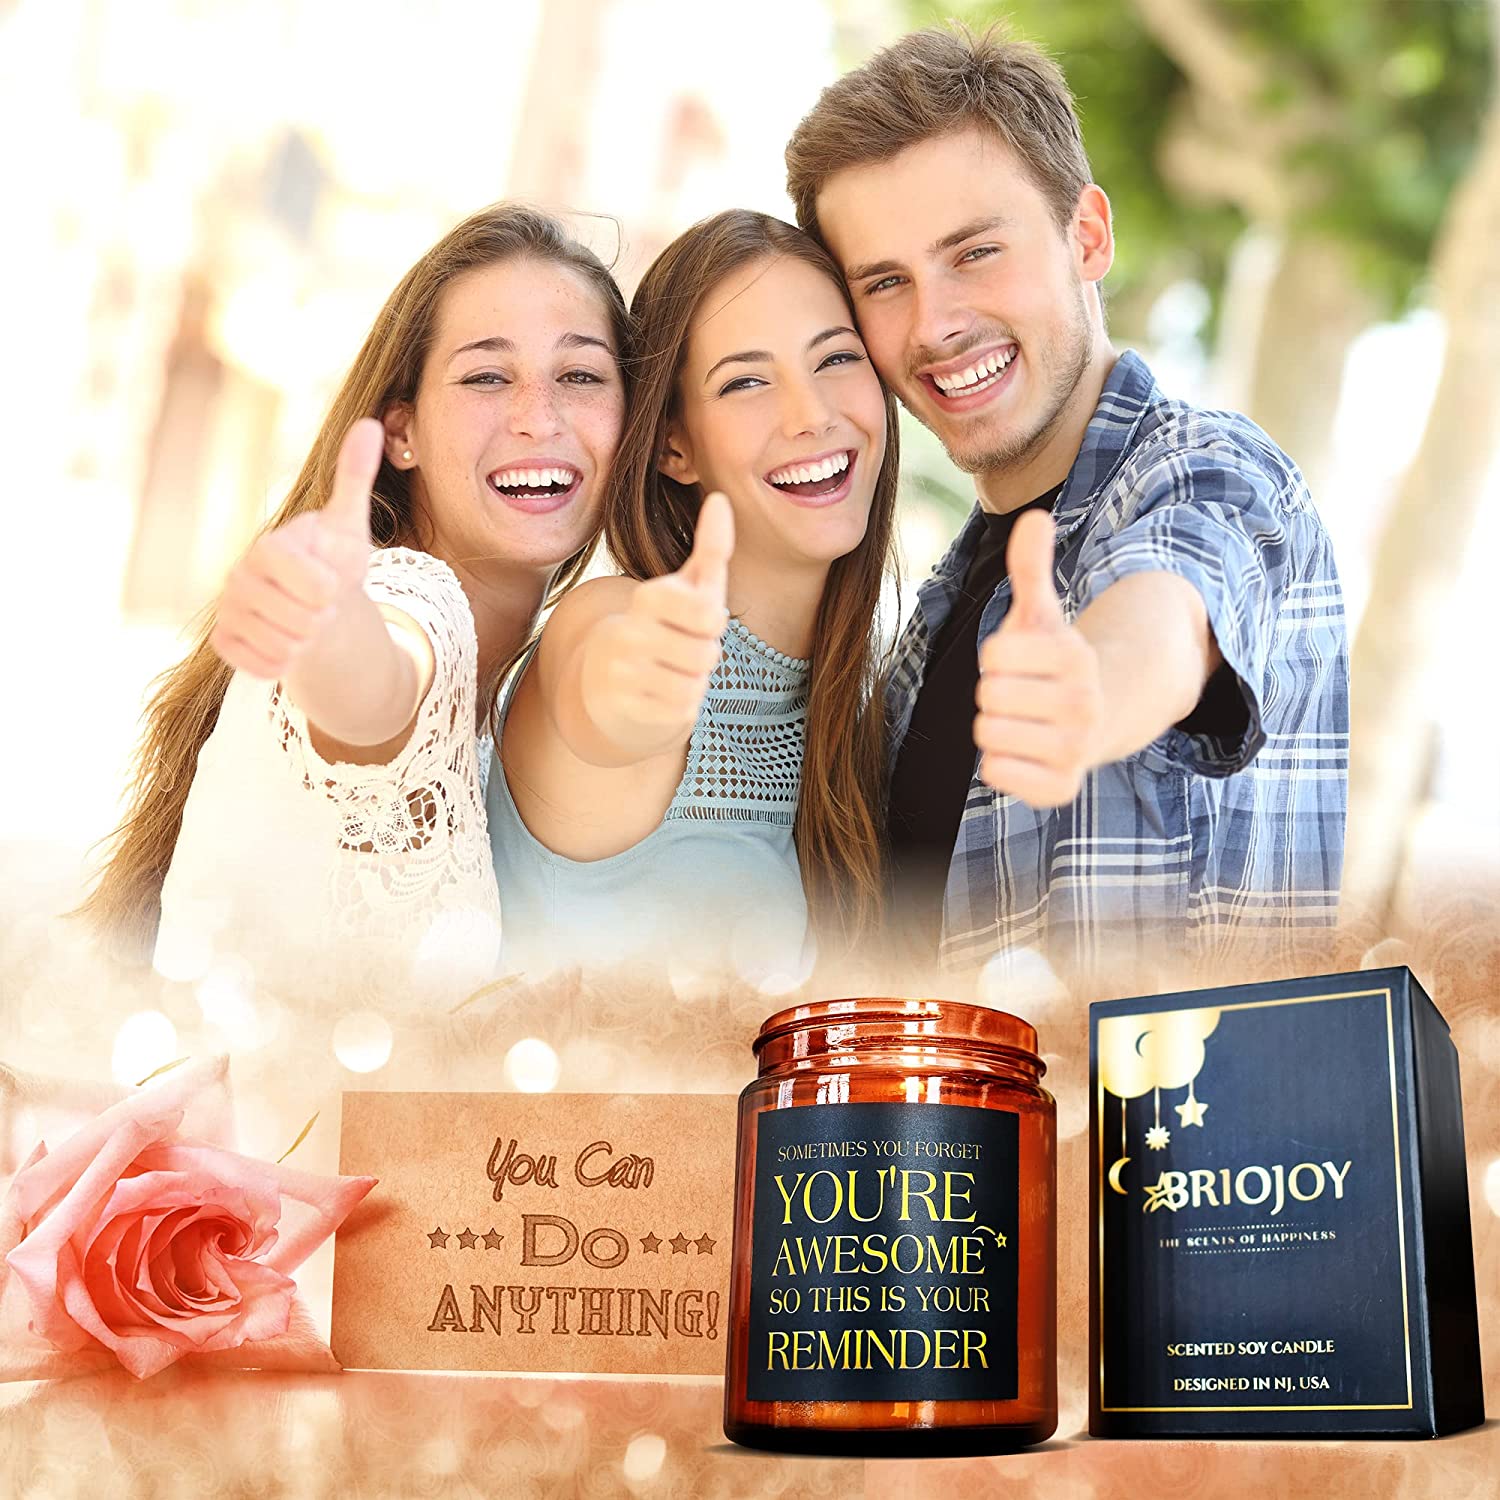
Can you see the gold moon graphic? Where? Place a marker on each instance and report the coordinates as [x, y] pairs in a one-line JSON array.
[[1114, 1174]]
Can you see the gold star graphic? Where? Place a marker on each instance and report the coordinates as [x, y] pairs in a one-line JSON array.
[[704, 1245], [492, 1240], [650, 1244], [437, 1240], [1190, 1112], [466, 1239], [1157, 1137], [679, 1243], [1166, 1192]]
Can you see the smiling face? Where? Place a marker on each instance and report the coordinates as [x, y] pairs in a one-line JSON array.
[[974, 305], [516, 418], [779, 407]]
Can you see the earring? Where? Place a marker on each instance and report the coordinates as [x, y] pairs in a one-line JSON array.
[[406, 454]]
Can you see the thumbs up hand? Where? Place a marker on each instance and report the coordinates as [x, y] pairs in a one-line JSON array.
[[288, 589], [1041, 706], [646, 669]]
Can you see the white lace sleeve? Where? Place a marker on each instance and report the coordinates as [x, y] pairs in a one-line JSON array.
[[431, 786], [330, 879]]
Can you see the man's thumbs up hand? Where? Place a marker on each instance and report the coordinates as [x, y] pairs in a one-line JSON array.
[[1040, 719], [1033, 590]]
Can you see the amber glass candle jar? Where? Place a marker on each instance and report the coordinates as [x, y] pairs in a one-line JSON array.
[[893, 1288]]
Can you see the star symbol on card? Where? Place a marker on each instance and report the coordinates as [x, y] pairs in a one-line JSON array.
[[679, 1243], [466, 1239], [1190, 1112], [492, 1240], [703, 1245], [1157, 1137], [437, 1240], [650, 1244]]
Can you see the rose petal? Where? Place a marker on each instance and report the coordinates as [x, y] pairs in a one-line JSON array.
[[312, 1208], [38, 1106], [112, 1255], [266, 1298], [214, 1270], [300, 1348], [12, 1227], [157, 1270], [191, 1185], [195, 1095], [186, 1261], [265, 1305], [142, 1352], [45, 1255], [245, 1189]]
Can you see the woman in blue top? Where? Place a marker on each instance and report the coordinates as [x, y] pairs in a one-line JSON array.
[[693, 759]]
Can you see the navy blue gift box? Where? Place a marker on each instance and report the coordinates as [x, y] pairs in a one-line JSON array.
[[1280, 1214]]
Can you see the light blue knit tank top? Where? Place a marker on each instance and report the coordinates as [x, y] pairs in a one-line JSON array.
[[715, 887]]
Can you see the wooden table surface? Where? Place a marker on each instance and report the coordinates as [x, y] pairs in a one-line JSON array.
[[363, 1434]]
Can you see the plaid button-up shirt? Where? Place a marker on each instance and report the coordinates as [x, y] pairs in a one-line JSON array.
[[1193, 840]]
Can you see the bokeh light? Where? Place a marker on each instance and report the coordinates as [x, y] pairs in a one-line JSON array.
[[145, 1041], [775, 984], [765, 962], [457, 944], [1386, 954], [1023, 982], [362, 1041], [532, 1066], [226, 997], [183, 954], [562, 1415], [644, 1456], [440, 1455], [1069, 1088], [691, 980]]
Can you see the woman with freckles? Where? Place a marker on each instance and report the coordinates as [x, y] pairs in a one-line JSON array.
[[690, 765], [308, 796]]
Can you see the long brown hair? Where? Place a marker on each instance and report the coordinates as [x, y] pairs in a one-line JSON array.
[[648, 526], [185, 702]]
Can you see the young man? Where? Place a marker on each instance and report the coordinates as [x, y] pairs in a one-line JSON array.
[[1143, 603]]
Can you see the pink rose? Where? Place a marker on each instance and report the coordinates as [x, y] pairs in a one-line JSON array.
[[140, 1236]]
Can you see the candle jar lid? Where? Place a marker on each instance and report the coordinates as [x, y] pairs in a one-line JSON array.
[[825, 1030]]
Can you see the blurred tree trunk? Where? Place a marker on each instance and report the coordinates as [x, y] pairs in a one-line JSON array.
[[1406, 624], [1294, 304], [1241, 135], [550, 151], [1313, 309]]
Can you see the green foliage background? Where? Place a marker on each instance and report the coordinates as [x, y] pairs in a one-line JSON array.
[[1398, 88]]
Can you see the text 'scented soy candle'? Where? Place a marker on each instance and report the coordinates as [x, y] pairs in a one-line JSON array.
[[895, 1247]]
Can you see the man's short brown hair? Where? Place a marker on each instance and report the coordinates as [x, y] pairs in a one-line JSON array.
[[932, 83]]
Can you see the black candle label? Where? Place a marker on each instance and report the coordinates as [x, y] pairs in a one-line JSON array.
[[884, 1254]]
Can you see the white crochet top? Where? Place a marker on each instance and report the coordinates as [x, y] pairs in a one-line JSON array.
[[361, 880]]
